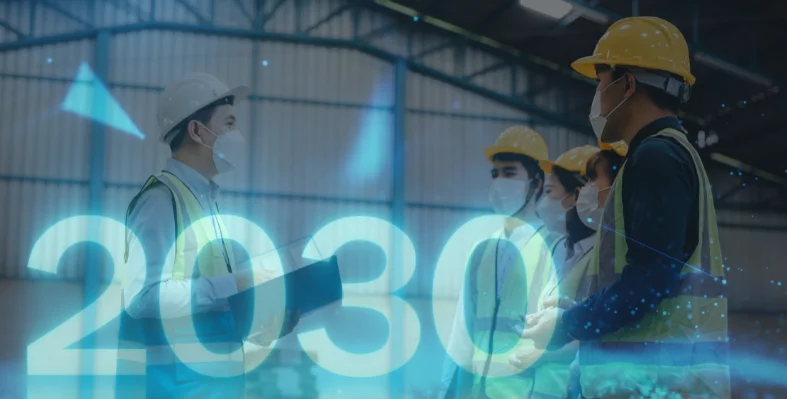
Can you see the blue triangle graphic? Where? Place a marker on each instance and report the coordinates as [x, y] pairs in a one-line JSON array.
[[89, 97]]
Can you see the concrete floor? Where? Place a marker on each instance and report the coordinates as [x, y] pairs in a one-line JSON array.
[[32, 309]]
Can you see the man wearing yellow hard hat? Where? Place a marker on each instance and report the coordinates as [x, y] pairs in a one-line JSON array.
[[655, 321], [501, 285]]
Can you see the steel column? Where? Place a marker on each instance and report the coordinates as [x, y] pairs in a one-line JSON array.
[[396, 378], [94, 255]]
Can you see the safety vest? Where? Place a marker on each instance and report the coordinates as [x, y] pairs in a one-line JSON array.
[[497, 316], [551, 378], [216, 330], [679, 347]]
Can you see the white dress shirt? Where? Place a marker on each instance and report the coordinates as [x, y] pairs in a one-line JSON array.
[[153, 222]]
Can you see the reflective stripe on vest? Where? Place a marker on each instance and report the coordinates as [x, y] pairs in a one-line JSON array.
[[680, 346], [199, 246], [495, 324]]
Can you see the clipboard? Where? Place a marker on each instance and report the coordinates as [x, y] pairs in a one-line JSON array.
[[311, 289]]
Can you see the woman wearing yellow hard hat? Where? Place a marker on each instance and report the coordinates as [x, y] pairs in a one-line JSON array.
[[564, 178], [500, 285], [656, 316]]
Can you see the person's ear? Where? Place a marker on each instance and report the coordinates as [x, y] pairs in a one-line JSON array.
[[630, 85], [193, 130]]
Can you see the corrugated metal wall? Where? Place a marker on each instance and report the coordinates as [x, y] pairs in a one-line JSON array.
[[320, 126]]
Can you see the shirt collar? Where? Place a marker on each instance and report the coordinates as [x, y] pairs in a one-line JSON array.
[[667, 122], [584, 245], [192, 179], [525, 232]]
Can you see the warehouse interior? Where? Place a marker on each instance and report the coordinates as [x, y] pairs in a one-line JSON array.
[[364, 108]]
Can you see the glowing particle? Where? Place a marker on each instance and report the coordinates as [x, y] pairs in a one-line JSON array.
[[598, 331], [722, 316], [744, 102], [779, 283], [590, 220], [690, 317], [415, 18], [715, 304], [677, 307], [724, 282], [264, 63], [49, 60], [723, 105]]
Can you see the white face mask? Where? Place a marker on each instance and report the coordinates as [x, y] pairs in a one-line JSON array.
[[597, 121], [587, 205], [227, 149], [553, 214], [508, 196]]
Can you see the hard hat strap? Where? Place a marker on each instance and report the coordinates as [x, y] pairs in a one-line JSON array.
[[670, 85]]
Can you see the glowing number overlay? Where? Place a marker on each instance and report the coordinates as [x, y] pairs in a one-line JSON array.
[[195, 354], [48, 355], [453, 261], [389, 238]]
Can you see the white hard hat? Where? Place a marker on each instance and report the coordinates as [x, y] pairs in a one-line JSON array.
[[194, 92]]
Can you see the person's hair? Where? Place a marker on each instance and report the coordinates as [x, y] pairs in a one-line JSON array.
[[662, 100], [531, 166], [611, 161], [569, 180], [202, 116], [575, 229]]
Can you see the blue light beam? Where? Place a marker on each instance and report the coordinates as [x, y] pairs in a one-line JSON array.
[[371, 150], [88, 97]]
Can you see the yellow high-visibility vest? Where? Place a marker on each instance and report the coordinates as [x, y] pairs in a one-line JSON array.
[[680, 346], [550, 380], [494, 333]]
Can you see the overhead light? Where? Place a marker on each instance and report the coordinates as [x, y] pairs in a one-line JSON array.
[[732, 69], [590, 13], [553, 8]]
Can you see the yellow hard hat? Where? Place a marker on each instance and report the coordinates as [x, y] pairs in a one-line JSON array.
[[619, 147], [573, 160], [519, 140], [645, 42]]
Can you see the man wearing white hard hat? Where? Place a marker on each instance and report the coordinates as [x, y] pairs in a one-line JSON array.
[[197, 120]]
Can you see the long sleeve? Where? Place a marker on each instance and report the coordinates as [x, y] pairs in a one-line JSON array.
[[149, 283], [660, 194]]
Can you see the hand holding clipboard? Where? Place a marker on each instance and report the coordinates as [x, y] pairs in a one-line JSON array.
[[278, 302]]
